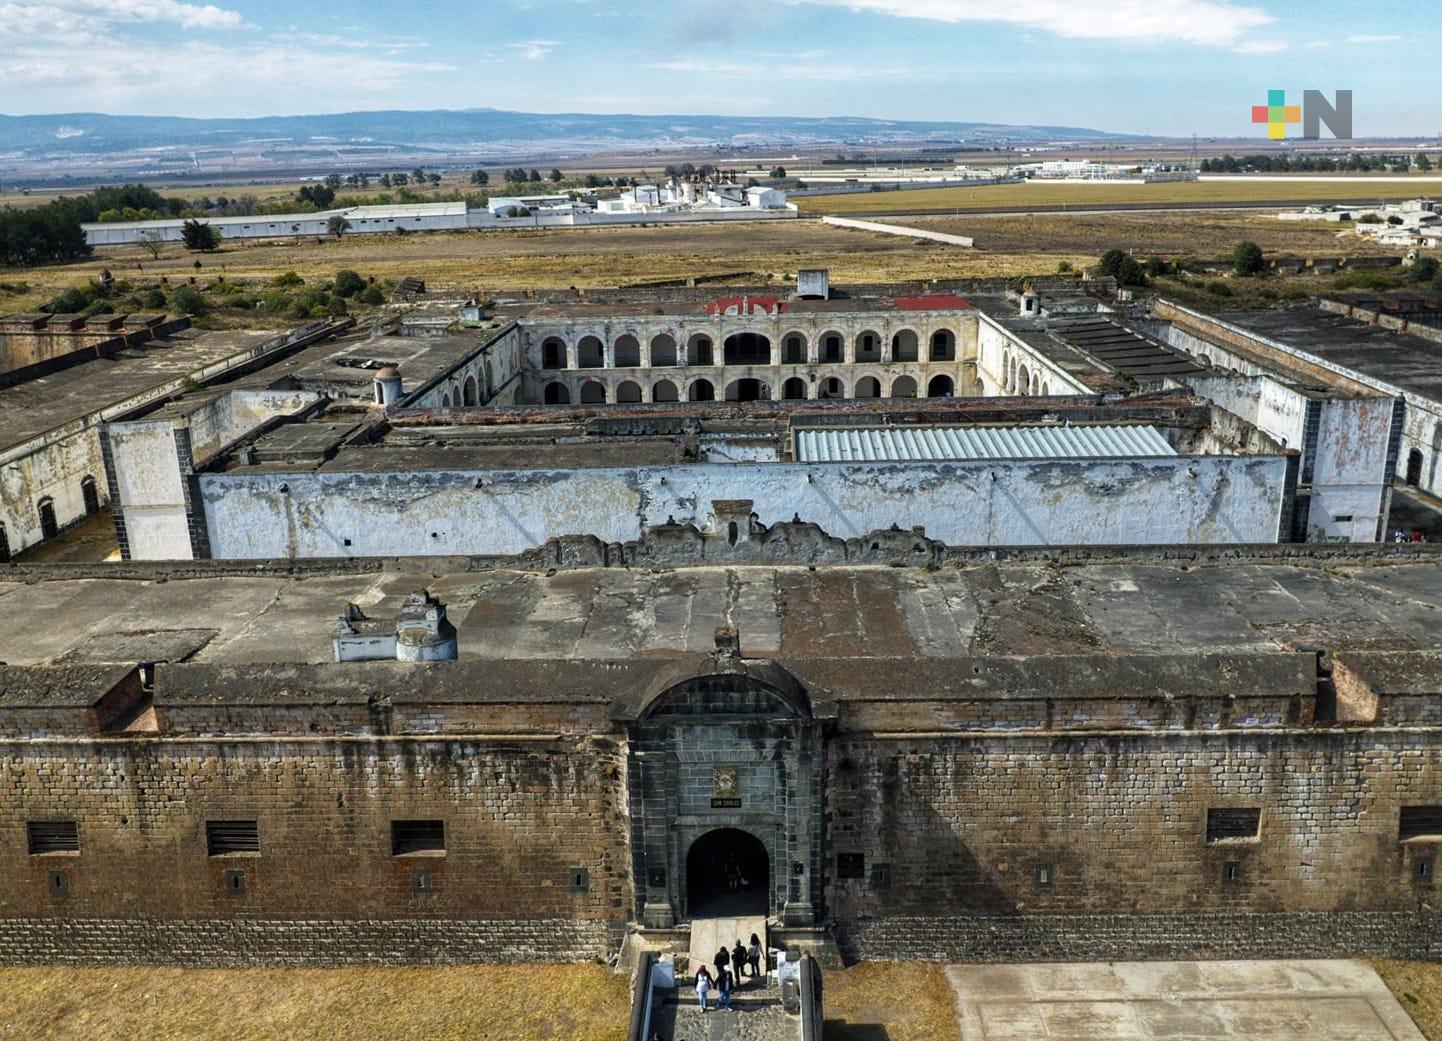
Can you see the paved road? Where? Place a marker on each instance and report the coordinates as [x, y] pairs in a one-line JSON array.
[[1198, 1001]]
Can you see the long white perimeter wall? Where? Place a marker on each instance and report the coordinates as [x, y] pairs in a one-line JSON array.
[[1176, 500]]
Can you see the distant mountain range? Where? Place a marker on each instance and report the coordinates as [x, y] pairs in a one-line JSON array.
[[481, 130]]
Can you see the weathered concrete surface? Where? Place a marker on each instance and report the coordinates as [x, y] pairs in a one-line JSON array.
[[1194, 1001]]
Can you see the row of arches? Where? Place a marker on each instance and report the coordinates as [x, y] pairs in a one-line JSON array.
[[1020, 379], [743, 348], [594, 392]]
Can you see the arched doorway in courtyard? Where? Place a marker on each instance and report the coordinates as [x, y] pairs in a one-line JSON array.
[[727, 873]]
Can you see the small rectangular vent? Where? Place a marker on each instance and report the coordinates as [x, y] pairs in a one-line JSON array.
[[1420, 822], [227, 838], [1233, 823], [409, 838], [850, 865], [53, 837]]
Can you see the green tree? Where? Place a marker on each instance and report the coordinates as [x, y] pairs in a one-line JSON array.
[[318, 195], [1423, 162], [188, 300], [199, 237], [349, 283], [151, 242], [778, 172], [534, 176], [1424, 269], [1247, 258], [480, 178], [556, 176], [337, 225]]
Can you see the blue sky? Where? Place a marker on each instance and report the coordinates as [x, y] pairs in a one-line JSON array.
[[1144, 66]]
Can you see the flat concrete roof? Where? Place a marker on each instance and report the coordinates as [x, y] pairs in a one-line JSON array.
[[907, 616], [1409, 362], [349, 365], [36, 406]]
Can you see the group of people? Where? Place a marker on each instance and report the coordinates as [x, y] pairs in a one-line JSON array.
[[731, 966]]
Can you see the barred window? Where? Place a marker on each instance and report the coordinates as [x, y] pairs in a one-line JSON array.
[[1420, 822], [1233, 823], [52, 837], [412, 837], [224, 838]]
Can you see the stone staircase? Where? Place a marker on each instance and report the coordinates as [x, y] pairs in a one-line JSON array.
[[756, 1012], [756, 1015]]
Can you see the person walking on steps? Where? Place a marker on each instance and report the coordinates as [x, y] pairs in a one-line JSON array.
[[721, 961], [703, 986], [725, 985], [738, 960], [753, 957]]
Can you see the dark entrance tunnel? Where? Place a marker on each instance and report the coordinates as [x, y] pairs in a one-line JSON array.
[[727, 873]]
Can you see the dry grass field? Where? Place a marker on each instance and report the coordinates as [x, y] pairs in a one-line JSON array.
[[1148, 234], [508, 261], [485, 1002], [1418, 986], [491, 263], [1021, 196], [890, 1001]]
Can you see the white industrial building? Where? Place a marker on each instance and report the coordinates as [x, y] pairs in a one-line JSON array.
[[361, 220]]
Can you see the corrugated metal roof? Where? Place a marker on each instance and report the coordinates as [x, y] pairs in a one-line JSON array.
[[910, 444]]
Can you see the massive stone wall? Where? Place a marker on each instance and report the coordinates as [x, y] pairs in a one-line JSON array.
[[522, 818], [1086, 837]]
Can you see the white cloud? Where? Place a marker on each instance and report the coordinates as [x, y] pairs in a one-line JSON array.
[[1374, 38], [33, 20], [782, 69], [534, 50], [1260, 46], [1212, 23]]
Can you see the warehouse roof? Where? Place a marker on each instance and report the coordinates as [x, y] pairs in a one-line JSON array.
[[898, 444]]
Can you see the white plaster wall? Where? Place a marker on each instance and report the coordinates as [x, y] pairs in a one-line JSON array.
[[54, 471], [993, 343], [1213, 499], [157, 533], [147, 471]]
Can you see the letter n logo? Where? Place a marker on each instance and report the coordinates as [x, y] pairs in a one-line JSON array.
[[1316, 110]]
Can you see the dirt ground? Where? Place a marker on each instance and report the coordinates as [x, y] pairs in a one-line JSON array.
[[1418, 986], [486, 1003], [890, 1001]]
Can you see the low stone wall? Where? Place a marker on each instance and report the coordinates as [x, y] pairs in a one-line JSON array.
[[252, 942], [1413, 935], [897, 229]]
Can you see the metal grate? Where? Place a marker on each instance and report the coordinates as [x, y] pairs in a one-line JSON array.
[[53, 837], [1233, 823], [1420, 822], [410, 837], [223, 838]]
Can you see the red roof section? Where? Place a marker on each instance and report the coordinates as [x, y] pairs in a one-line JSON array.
[[933, 302], [748, 304]]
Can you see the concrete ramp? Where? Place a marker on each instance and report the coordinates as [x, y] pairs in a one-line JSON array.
[[709, 934]]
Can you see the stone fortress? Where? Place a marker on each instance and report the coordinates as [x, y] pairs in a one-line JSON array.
[[962, 622]]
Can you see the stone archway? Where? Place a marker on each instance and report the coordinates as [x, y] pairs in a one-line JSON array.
[[724, 761], [728, 873]]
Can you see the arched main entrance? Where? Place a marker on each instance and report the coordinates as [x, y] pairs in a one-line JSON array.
[[727, 873]]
